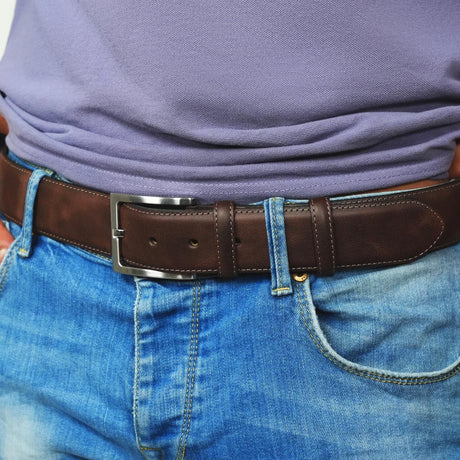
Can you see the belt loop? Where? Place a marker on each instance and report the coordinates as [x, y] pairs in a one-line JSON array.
[[224, 220], [323, 235], [276, 234], [25, 237]]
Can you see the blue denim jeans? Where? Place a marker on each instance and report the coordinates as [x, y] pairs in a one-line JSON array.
[[99, 365]]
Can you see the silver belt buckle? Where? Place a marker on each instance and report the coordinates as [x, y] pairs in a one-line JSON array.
[[118, 233]]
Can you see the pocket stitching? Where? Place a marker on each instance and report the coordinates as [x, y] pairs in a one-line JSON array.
[[7, 265], [377, 376]]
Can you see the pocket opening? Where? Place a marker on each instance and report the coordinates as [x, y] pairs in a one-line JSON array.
[[316, 334]]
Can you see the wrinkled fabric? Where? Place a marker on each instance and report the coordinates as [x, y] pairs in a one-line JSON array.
[[239, 100]]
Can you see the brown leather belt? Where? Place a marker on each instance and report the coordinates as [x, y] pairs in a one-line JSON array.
[[225, 240]]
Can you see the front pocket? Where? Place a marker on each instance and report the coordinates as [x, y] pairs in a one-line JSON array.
[[11, 253], [397, 325]]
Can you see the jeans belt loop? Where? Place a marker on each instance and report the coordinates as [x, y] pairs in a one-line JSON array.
[[25, 238], [277, 246]]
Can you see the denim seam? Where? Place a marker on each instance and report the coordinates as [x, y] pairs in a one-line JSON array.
[[137, 364], [277, 252], [26, 235], [137, 377], [7, 265], [377, 376], [190, 385]]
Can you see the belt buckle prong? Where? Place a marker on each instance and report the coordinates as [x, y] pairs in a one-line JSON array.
[[118, 233]]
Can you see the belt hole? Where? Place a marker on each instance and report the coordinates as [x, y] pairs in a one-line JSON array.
[[153, 242], [237, 241], [193, 243]]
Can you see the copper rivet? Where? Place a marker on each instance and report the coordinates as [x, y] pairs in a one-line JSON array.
[[300, 276], [193, 243], [153, 242]]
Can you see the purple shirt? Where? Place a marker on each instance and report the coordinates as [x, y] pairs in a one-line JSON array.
[[235, 99]]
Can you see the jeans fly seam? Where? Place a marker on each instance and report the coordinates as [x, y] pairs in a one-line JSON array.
[[190, 384], [377, 376], [137, 379], [137, 353], [277, 252]]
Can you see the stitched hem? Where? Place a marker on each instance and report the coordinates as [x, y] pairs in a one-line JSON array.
[[190, 385], [380, 376]]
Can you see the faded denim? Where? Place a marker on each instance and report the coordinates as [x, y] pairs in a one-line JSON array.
[[99, 365]]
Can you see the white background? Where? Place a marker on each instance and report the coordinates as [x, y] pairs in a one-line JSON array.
[[6, 16]]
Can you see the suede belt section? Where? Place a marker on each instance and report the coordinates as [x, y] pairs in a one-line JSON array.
[[225, 240]]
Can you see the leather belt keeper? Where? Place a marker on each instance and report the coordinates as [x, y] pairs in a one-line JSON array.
[[226, 240]]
